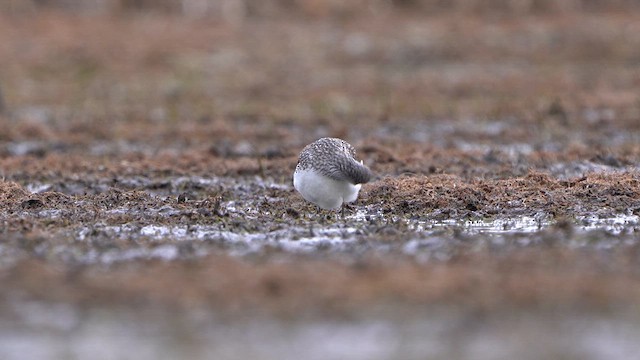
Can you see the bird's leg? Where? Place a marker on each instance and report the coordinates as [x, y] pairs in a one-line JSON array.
[[311, 233], [346, 208]]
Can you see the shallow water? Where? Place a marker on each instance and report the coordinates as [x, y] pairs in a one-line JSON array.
[[423, 240], [40, 331]]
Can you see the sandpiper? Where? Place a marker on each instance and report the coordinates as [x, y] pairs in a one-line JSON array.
[[328, 174]]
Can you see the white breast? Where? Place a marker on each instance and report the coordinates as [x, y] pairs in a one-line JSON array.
[[325, 192]]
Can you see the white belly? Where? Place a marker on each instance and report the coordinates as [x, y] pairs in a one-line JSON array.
[[323, 191]]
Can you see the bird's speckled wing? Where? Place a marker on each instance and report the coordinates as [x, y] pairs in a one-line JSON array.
[[334, 158]]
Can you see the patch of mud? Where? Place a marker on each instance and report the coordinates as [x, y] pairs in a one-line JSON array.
[[434, 217]]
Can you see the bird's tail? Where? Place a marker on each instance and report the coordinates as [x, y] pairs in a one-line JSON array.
[[358, 173]]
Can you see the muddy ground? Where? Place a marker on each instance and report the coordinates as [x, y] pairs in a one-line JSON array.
[[146, 160]]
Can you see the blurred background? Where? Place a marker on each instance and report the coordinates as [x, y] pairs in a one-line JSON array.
[[251, 8], [105, 69], [147, 148]]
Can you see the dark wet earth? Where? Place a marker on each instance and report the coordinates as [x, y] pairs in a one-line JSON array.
[[182, 218]]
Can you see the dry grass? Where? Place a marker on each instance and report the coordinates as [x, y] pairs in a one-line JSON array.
[[535, 193]]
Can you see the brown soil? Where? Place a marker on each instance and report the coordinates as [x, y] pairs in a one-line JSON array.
[[115, 119]]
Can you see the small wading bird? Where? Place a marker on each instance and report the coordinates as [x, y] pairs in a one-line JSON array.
[[328, 174]]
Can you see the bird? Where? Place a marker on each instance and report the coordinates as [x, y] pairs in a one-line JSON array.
[[328, 174]]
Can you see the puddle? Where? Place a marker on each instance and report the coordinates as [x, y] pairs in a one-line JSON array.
[[525, 224], [425, 240], [40, 331], [164, 242], [579, 169], [163, 252], [615, 225], [528, 224]]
